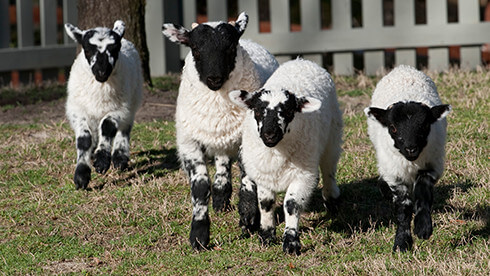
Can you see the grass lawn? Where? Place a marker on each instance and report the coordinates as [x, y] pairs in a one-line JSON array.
[[137, 222]]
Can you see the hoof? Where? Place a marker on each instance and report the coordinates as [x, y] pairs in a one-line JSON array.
[[102, 161], [267, 236], [82, 176], [403, 242], [423, 225], [199, 236], [120, 160], [291, 244]]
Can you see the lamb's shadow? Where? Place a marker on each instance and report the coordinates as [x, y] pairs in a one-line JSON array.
[[361, 206], [153, 161], [366, 204], [156, 162]]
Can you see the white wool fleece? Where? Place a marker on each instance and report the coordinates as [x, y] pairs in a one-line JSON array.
[[312, 137], [406, 83], [209, 117], [121, 93]]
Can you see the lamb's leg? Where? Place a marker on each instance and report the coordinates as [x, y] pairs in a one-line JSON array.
[[194, 164], [423, 194], [295, 200], [221, 190], [120, 153], [328, 166], [403, 210], [266, 200], [248, 204], [85, 145], [107, 131]]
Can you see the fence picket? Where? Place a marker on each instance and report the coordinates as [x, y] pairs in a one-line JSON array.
[[406, 56], [438, 59], [217, 10], [25, 33], [4, 24], [252, 10]]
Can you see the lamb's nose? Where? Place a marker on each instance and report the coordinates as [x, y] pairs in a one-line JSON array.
[[214, 80], [411, 150], [269, 136]]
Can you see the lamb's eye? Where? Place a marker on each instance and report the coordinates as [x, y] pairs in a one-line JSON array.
[[392, 129]]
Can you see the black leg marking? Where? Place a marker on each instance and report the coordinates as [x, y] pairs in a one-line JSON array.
[[423, 194], [84, 142], [200, 191], [108, 128], [199, 236], [291, 242], [267, 205], [102, 161], [292, 207], [248, 204], [404, 211], [120, 160], [222, 189], [82, 176], [267, 236]]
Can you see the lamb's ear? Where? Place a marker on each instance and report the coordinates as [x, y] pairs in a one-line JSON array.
[[440, 111], [176, 33], [308, 104], [377, 114], [241, 98], [241, 23], [119, 27], [75, 33]]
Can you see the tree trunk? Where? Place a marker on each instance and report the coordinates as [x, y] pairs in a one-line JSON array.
[[105, 12]]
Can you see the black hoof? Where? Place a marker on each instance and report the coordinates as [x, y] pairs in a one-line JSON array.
[[221, 198], [248, 208], [267, 236], [423, 225], [199, 236], [82, 176], [120, 160], [291, 244], [102, 161], [403, 242]]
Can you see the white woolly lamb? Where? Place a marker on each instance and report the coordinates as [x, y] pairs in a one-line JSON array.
[[407, 125], [293, 126], [104, 93], [207, 122]]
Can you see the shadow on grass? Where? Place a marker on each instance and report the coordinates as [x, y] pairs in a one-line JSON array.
[[366, 204], [360, 207], [155, 162]]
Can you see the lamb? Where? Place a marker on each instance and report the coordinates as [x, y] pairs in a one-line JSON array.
[[407, 126], [293, 126], [207, 122], [104, 93]]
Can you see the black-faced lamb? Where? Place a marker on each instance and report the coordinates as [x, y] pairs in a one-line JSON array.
[[104, 93], [407, 125], [292, 128], [207, 122]]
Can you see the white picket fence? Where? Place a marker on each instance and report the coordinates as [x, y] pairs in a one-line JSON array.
[[312, 42], [47, 57], [341, 40]]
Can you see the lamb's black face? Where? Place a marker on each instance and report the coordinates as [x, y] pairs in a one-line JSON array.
[[213, 45], [409, 125], [273, 112], [101, 47], [214, 50]]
